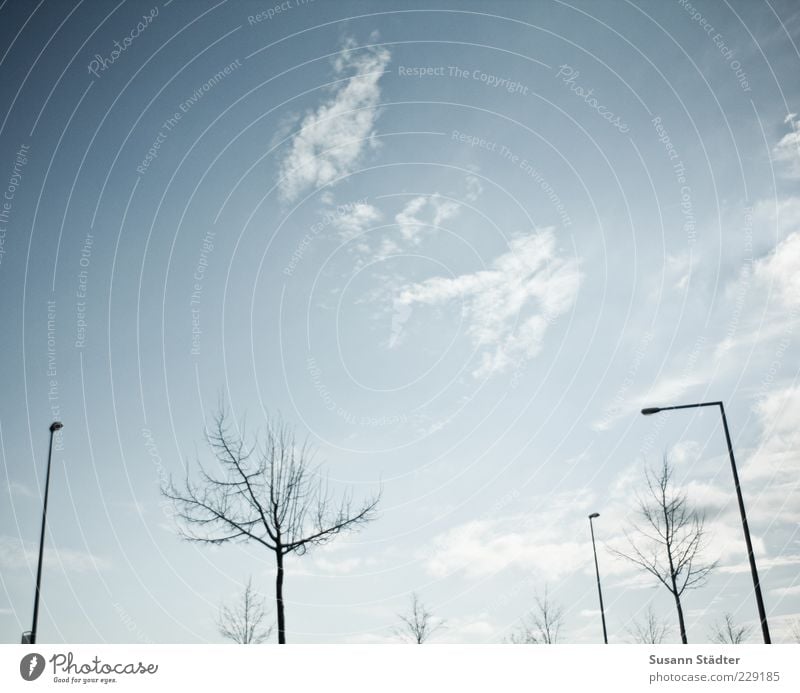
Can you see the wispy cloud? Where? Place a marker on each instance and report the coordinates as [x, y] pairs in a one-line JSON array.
[[14, 554], [424, 212], [790, 591], [17, 489], [485, 547], [764, 564], [509, 306], [540, 543], [355, 219], [474, 188], [332, 138], [780, 270], [787, 151], [775, 459]]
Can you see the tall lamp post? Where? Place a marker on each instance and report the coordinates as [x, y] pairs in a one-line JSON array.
[[597, 572], [55, 426], [762, 614]]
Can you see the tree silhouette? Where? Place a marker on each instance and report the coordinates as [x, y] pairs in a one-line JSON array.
[[672, 538], [419, 624], [270, 493], [651, 630], [541, 626], [244, 622], [729, 633]]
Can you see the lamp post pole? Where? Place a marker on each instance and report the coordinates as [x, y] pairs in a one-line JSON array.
[[762, 613], [597, 572], [55, 426]]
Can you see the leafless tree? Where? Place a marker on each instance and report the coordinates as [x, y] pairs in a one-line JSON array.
[[268, 492], [244, 622], [651, 630], [729, 633], [671, 538], [419, 624], [542, 625], [795, 634]]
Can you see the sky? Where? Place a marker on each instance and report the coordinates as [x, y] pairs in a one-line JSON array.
[[457, 245]]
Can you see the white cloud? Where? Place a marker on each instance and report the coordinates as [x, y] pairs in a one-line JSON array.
[[341, 566], [332, 138], [778, 215], [709, 495], [685, 452], [670, 388], [419, 218], [776, 458], [499, 302], [14, 554], [355, 219], [486, 547], [541, 543], [787, 151], [667, 388], [764, 564], [780, 270], [475, 629], [424, 211], [766, 294], [791, 591], [474, 188], [21, 490], [679, 269]]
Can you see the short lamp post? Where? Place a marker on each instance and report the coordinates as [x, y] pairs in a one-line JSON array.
[[597, 572]]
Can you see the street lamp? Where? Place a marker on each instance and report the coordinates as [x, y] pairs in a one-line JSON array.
[[55, 426], [597, 571], [762, 614]]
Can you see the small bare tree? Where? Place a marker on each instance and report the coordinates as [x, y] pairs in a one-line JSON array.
[[269, 493], [541, 626], [244, 622], [795, 634], [651, 630], [672, 539], [419, 624], [728, 632]]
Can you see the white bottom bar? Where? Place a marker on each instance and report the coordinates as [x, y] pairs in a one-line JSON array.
[[355, 668]]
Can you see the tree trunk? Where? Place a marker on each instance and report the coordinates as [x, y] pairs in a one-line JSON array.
[[677, 596], [668, 538], [680, 618], [279, 599]]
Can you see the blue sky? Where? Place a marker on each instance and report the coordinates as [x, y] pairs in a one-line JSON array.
[[457, 247]]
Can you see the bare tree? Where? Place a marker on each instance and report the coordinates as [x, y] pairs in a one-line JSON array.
[[795, 634], [672, 539], [651, 630], [541, 626], [419, 624], [269, 493], [729, 633], [244, 622]]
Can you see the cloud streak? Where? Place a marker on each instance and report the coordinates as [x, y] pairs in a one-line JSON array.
[[424, 211], [14, 555], [509, 306], [541, 543]]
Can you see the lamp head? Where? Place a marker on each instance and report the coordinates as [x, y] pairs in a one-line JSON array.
[[651, 410], [593, 515], [56, 426]]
